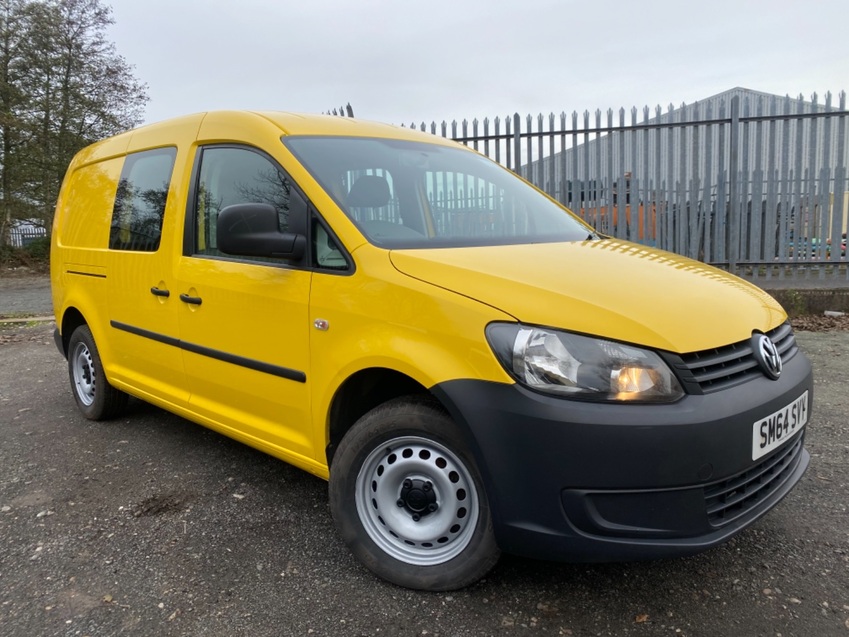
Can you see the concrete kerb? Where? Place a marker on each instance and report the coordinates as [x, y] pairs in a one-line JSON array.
[[27, 320]]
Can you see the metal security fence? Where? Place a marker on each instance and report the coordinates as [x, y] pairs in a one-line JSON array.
[[22, 237], [750, 182]]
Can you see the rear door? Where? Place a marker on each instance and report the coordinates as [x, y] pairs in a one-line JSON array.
[[143, 321]]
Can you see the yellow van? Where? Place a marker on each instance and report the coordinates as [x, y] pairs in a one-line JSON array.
[[472, 368]]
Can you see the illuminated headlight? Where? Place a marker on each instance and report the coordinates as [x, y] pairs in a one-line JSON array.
[[581, 367]]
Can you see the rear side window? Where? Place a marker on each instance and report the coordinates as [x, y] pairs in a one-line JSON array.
[[140, 200]]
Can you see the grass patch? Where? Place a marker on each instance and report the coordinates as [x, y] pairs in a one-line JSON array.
[[806, 302], [17, 325]]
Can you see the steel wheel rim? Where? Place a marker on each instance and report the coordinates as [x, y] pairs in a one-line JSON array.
[[82, 366], [438, 536]]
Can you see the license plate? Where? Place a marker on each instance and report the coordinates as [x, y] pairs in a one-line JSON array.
[[773, 431]]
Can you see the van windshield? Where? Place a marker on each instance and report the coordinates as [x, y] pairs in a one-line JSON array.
[[406, 194]]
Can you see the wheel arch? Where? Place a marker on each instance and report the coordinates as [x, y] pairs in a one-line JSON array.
[[360, 393], [72, 318]]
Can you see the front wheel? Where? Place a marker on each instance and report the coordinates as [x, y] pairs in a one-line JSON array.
[[96, 398], [408, 499]]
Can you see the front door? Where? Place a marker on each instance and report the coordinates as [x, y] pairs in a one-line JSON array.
[[244, 320]]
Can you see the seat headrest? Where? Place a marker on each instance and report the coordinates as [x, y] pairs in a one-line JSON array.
[[369, 191]]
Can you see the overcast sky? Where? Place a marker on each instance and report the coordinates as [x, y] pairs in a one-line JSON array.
[[400, 61]]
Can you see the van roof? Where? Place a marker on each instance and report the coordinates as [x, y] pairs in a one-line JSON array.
[[169, 130], [307, 124], [301, 124]]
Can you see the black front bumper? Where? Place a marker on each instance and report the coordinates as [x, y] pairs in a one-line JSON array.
[[581, 481]]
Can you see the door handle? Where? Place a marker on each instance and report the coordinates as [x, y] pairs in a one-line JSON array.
[[155, 291], [191, 300]]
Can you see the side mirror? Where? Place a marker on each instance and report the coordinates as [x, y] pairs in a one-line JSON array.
[[252, 230]]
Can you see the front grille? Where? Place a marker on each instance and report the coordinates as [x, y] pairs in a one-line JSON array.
[[722, 367], [731, 499]]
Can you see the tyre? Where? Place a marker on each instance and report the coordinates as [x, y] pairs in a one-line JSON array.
[[408, 499], [95, 397]]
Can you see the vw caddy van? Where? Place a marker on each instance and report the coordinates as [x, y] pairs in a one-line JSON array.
[[472, 367]]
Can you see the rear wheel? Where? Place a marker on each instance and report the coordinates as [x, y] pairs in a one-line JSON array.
[[96, 398], [408, 499]]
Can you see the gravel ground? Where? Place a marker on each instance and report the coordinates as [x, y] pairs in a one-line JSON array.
[[25, 294], [150, 525]]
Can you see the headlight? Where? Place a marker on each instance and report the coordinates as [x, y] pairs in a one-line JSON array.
[[581, 367]]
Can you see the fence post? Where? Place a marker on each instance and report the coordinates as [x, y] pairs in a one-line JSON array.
[[517, 144], [732, 228]]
